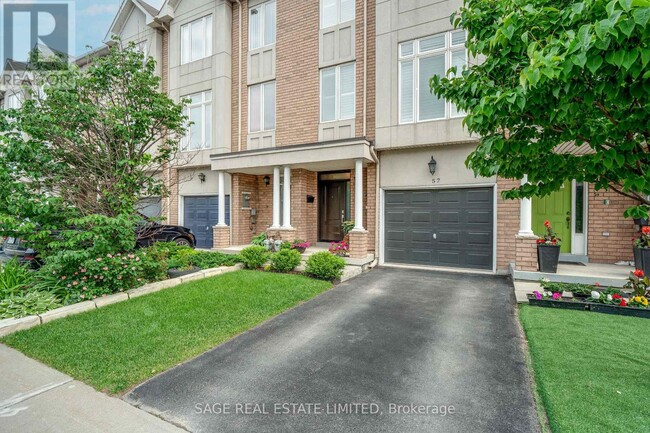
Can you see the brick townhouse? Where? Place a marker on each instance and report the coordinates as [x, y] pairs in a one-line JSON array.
[[310, 113]]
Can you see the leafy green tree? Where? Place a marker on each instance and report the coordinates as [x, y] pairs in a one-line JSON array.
[[551, 73], [85, 145]]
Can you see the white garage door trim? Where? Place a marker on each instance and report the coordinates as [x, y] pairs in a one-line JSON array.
[[382, 232]]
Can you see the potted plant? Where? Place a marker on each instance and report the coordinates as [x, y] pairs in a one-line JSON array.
[[548, 250], [642, 250], [300, 245]]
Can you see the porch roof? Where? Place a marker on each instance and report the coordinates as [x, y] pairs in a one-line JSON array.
[[322, 156]]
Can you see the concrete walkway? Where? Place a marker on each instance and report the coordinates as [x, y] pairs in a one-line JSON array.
[[393, 350], [35, 398]]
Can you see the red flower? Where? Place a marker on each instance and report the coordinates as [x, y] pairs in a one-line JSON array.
[[638, 273], [547, 223], [623, 303], [597, 284], [554, 241], [645, 230], [540, 241], [616, 296]]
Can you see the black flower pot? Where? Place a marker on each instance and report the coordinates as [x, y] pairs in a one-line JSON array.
[[644, 260], [641, 221], [548, 257], [638, 263]]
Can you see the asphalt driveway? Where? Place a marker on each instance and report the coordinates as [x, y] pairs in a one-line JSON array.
[[442, 347]]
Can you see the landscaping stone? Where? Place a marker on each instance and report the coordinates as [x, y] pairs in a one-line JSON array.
[[192, 277], [112, 299], [7, 326], [153, 287], [213, 272], [67, 311]]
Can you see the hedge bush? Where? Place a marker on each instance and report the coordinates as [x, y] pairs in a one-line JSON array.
[[254, 257], [325, 266], [285, 260]]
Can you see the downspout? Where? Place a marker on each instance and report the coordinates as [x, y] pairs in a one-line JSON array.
[[365, 62], [239, 71]]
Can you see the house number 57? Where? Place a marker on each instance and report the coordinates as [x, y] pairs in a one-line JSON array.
[[435, 180]]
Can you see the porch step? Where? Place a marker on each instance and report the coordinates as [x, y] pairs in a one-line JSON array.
[[590, 275]]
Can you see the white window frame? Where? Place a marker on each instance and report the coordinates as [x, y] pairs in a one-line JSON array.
[[337, 93], [338, 14], [261, 8], [448, 50], [205, 140], [207, 40], [12, 101], [261, 107]]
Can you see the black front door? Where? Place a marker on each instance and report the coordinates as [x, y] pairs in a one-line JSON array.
[[332, 201]]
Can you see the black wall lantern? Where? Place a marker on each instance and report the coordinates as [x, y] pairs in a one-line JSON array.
[[432, 166], [202, 177], [267, 180]]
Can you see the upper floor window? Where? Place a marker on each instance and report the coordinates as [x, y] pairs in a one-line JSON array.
[[337, 93], [199, 111], [420, 60], [12, 101], [261, 25], [196, 39], [261, 107], [335, 12]]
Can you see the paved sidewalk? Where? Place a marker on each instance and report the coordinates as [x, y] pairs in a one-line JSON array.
[[35, 398]]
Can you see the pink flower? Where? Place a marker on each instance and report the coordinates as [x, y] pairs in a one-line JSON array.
[[83, 271], [74, 283], [537, 295], [105, 268], [99, 259], [82, 296], [556, 295]]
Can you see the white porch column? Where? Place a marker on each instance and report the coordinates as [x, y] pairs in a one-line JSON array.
[[525, 213], [358, 195], [286, 210], [222, 199], [276, 197]]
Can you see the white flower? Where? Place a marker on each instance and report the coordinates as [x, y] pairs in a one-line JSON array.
[[595, 294], [545, 280], [609, 297], [547, 293]]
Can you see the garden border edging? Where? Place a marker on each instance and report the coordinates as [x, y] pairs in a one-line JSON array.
[[9, 326]]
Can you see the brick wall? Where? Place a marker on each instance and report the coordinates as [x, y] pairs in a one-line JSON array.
[[369, 201], [297, 73], [173, 197], [526, 250], [608, 218], [304, 216], [240, 218], [236, 78], [370, 70], [507, 224]]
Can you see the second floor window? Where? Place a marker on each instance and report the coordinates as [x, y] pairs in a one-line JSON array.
[[196, 40], [199, 111], [337, 93], [261, 26], [261, 107], [333, 12], [420, 60]]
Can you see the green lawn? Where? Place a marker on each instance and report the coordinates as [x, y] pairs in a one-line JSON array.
[[118, 346], [592, 370]]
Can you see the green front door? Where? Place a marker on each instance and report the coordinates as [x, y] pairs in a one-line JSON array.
[[556, 208]]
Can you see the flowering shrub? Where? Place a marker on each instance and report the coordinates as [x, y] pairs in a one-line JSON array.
[[639, 283], [550, 238], [300, 244], [97, 276], [547, 295], [339, 248]]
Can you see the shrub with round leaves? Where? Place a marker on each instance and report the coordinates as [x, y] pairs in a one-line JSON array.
[[254, 257], [325, 266], [285, 260]]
